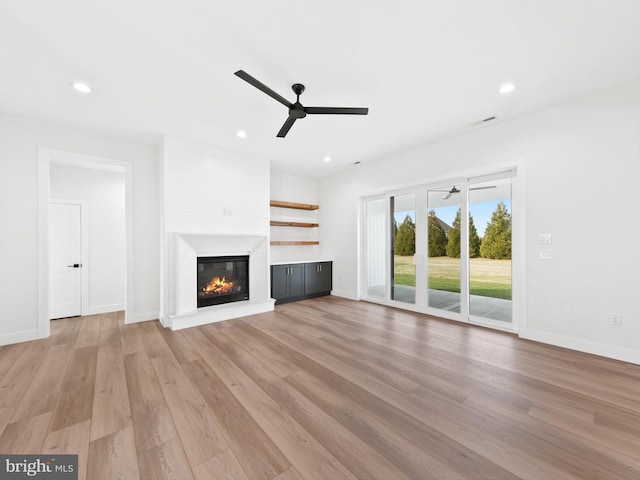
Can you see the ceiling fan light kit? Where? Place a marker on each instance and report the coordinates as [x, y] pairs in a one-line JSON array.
[[297, 110]]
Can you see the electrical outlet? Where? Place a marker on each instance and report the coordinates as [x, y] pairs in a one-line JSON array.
[[615, 319]]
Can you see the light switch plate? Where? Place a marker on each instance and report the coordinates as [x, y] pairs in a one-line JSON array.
[[545, 238], [544, 255]]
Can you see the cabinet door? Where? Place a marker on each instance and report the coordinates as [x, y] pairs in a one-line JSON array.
[[311, 278], [296, 280], [279, 281], [324, 278]]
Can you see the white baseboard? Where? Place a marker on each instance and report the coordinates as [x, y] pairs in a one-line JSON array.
[[164, 320], [602, 349], [142, 317], [345, 294], [116, 307], [18, 337]]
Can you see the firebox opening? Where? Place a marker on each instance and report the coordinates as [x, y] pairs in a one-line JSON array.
[[222, 280]]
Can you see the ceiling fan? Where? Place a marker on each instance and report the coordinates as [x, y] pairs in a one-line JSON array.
[[455, 190], [297, 110]]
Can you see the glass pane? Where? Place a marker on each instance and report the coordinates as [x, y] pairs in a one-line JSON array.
[[443, 236], [490, 250], [375, 247], [403, 231]]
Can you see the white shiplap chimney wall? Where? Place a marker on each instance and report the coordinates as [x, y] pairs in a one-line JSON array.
[[221, 196]]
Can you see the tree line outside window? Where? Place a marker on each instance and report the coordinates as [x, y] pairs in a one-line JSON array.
[[496, 243]]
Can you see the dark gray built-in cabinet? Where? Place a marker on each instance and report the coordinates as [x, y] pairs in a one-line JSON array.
[[299, 281]]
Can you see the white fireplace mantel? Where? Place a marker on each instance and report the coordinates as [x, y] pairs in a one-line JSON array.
[[188, 248]]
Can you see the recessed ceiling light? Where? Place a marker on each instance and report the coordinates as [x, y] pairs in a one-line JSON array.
[[327, 159], [81, 87], [507, 87], [241, 134]]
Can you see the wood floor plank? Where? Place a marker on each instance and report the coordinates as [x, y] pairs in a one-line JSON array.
[[363, 461], [152, 421], [69, 332], [224, 466], [5, 416], [75, 402], [73, 440], [89, 333], [109, 331], [131, 339], [25, 436], [617, 444], [166, 461], [182, 350], [257, 454], [9, 354], [542, 441], [154, 341], [200, 435], [42, 393], [113, 457], [290, 474], [300, 448], [241, 333], [19, 375], [111, 410]]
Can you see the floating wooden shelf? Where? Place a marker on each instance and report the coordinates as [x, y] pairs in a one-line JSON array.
[[298, 206], [294, 242], [277, 223]]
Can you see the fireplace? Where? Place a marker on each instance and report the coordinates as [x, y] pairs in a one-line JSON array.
[[222, 280]]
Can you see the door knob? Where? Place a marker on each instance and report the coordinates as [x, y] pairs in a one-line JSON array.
[[75, 265]]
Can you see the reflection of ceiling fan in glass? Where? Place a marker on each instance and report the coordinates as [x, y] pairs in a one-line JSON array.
[[455, 190]]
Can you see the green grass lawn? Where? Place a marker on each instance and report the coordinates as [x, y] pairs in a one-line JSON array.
[[489, 278]]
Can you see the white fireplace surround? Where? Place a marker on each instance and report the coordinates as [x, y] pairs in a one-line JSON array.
[[188, 248]]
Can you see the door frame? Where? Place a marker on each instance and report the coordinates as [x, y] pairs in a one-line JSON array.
[[84, 246], [46, 157]]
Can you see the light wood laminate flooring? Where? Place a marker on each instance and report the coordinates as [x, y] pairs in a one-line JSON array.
[[321, 389]]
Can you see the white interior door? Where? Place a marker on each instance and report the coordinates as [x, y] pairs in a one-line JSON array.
[[65, 260]]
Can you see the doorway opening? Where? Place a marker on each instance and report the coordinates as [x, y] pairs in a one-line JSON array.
[[92, 194]]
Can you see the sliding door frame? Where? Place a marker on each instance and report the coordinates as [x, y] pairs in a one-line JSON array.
[[518, 307]]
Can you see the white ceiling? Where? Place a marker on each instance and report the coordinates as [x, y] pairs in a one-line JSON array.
[[426, 69]]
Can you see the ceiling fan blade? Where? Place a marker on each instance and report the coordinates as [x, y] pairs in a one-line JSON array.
[[261, 86], [336, 110], [482, 188], [287, 125]]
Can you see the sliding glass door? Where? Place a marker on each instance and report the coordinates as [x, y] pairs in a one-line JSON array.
[[490, 235], [443, 233], [403, 242], [443, 249]]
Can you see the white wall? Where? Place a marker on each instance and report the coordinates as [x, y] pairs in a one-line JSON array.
[[19, 142], [287, 187], [582, 163], [104, 196]]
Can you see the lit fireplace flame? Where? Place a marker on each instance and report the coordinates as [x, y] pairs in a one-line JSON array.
[[218, 286]]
